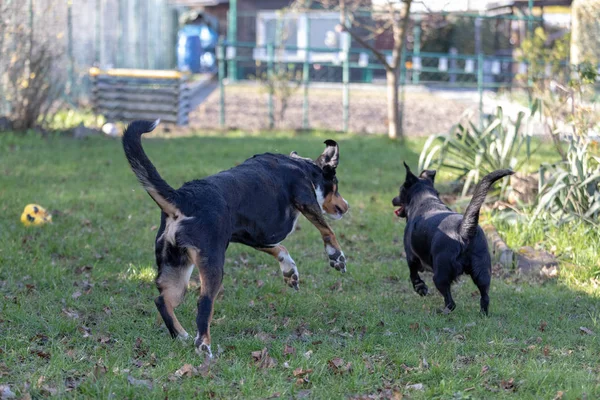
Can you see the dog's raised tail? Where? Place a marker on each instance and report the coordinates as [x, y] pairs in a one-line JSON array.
[[468, 226], [142, 167]]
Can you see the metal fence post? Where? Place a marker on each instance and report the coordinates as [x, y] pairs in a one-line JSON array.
[[270, 56], [416, 75], [306, 75], [345, 80], [530, 36], [232, 39], [221, 74], [480, 87]]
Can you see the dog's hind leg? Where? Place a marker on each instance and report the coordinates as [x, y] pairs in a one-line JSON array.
[[443, 282], [172, 284], [286, 263], [481, 274], [485, 298], [210, 265], [414, 265]]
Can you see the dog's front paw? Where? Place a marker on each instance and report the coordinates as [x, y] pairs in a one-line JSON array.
[[421, 288], [291, 279], [202, 348], [337, 259]]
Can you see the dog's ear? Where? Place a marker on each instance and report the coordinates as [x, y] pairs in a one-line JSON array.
[[411, 178], [428, 174], [330, 156]]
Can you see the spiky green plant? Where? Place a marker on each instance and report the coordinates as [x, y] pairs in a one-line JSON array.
[[469, 153], [573, 188]]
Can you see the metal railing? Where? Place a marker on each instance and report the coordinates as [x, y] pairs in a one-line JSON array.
[[239, 61]]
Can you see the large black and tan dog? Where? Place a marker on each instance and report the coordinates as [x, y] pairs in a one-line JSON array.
[[256, 203], [441, 240]]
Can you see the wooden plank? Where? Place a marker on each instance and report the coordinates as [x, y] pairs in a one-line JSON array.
[[139, 81], [148, 97], [149, 107], [102, 87], [128, 116], [137, 73]]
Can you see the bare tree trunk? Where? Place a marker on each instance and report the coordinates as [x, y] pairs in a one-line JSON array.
[[399, 21], [394, 127]]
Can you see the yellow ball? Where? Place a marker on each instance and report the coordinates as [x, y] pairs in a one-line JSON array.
[[34, 214]]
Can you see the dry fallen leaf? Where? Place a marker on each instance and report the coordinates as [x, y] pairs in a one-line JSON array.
[[546, 351], [186, 370], [299, 372], [337, 365], [70, 313], [139, 382], [508, 385], [416, 386], [583, 329], [543, 326], [288, 350], [76, 294], [41, 354], [99, 371], [484, 369], [262, 359], [406, 368], [85, 331], [414, 327]]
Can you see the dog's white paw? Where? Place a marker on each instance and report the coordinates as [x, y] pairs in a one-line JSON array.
[[204, 350], [291, 279], [337, 259], [183, 336]]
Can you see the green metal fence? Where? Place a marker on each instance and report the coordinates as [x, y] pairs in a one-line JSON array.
[[434, 70], [255, 46]]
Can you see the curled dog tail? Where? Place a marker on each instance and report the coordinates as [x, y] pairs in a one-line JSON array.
[[468, 226], [160, 191]]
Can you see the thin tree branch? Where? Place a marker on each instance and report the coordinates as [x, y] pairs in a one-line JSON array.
[[378, 54]]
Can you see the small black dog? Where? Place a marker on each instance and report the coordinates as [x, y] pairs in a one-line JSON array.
[[446, 242], [256, 203]]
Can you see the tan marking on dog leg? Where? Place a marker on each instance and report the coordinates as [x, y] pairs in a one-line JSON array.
[[172, 284], [210, 285], [337, 259]]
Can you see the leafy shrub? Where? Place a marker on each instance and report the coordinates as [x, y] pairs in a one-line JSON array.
[[573, 188], [469, 153]]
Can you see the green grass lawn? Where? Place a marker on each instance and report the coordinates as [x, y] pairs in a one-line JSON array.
[[77, 317]]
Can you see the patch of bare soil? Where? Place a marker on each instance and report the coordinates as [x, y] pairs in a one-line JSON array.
[[246, 109]]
